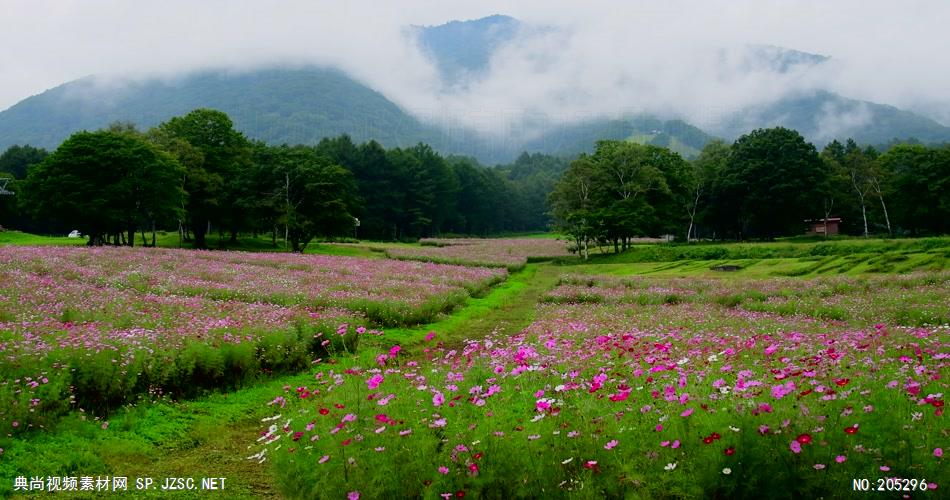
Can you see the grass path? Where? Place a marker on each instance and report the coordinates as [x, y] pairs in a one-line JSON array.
[[209, 437], [506, 308]]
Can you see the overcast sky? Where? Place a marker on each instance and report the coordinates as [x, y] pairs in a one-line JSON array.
[[606, 56]]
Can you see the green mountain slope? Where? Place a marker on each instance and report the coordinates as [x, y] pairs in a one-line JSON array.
[[568, 140], [275, 105]]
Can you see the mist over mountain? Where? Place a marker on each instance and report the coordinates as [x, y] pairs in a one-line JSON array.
[[502, 86]]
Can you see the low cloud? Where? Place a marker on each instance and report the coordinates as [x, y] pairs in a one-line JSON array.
[[692, 60]]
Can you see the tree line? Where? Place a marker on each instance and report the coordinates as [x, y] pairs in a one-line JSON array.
[[197, 174], [766, 184]]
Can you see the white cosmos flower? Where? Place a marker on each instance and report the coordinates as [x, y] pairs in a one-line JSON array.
[[727, 471], [670, 466]]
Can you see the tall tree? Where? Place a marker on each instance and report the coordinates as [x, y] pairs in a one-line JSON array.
[[319, 197], [213, 185], [705, 169], [105, 184], [16, 160], [920, 180], [771, 183]]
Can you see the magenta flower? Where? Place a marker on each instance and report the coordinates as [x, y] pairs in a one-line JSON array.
[[374, 381], [840, 459], [687, 413], [438, 399], [795, 446], [430, 336], [938, 452], [353, 495]]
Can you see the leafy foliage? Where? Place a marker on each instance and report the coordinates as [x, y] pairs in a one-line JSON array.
[[105, 184]]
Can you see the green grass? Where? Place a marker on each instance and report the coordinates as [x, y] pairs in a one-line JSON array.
[[18, 238], [507, 307], [669, 252], [206, 437], [848, 265]]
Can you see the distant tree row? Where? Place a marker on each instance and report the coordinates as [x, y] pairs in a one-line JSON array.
[[766, 184], [197, 174]]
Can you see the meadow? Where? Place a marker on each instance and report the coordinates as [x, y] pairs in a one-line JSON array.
[[93, 329], [654, 398], [328, 376]]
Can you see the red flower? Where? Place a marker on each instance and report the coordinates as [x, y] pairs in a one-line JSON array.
[[459, 494], [324, 411], [715, 435], [339, 406], [473, 468], [804, 438], [478, 456], [346, 442], [730, 451], [708, 439], [841, 382], [938, 403], [805, 392], [853, 429]]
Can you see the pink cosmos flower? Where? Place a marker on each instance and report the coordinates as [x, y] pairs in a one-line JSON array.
[[323, 459], [938, 452], [840, 459], [374, 381], [676, 444], [796, 447], [430, 336], [438, 399], [353, 495], [687, 413], [611, 444], [443, 469]]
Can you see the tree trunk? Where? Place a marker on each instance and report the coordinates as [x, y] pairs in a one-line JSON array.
[[864, 214], [886, 218], [200, 236]]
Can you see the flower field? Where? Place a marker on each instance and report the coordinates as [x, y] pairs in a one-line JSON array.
[[685, 392], [512, 253], [93, 329], [916, 299]]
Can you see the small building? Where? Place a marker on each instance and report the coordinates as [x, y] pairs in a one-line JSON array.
[[818, 227]]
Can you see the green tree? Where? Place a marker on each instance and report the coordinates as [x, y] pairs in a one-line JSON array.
[[319, 197], [213, 185], [770, 184], [920, 181], [706, 168], [105, 184], [16, 160]]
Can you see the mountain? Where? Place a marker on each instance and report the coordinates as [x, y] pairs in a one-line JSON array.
[[568, 140], [274, 105], [303, 105], [821, 116], [461, 50]]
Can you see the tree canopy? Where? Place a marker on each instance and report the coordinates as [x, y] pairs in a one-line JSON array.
[[105, 184]]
